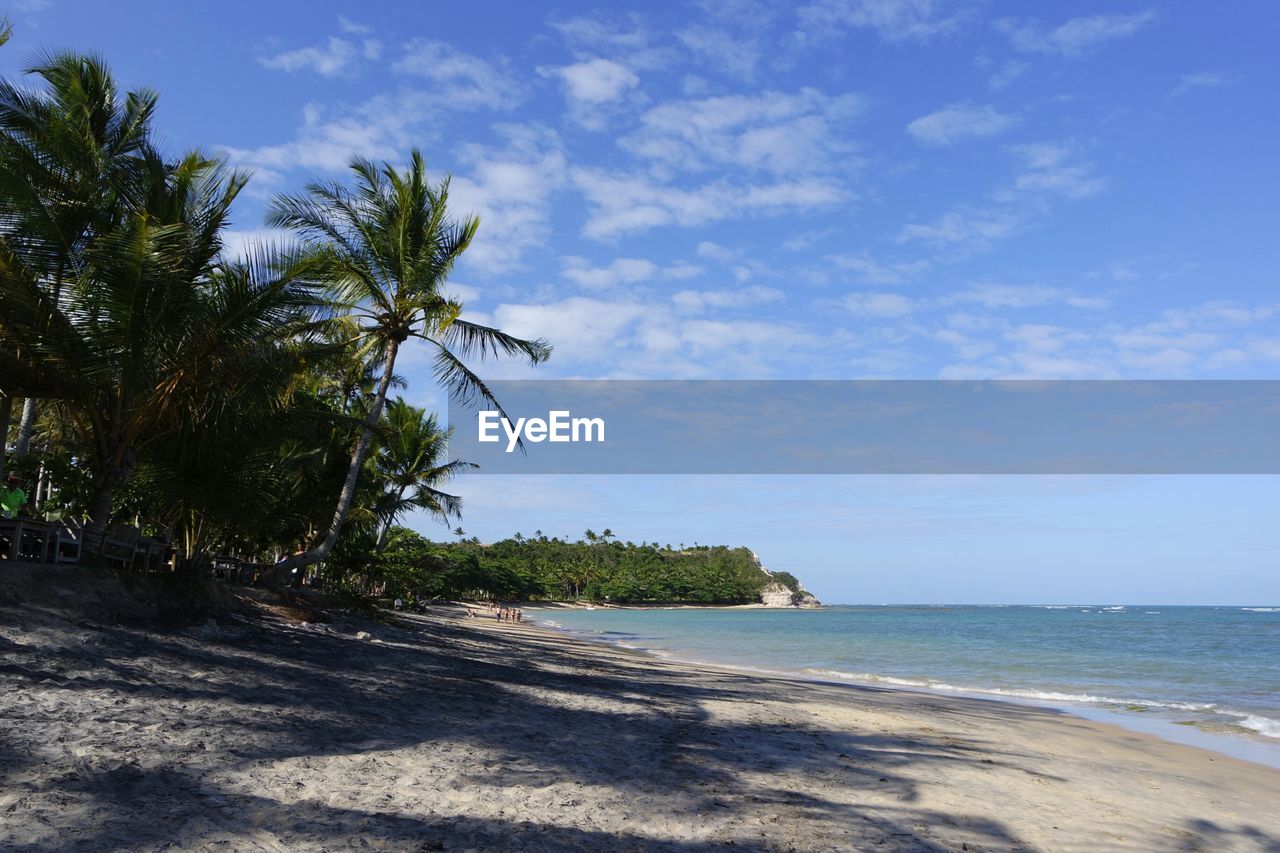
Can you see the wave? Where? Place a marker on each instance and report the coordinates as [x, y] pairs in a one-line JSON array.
[[1208, 713], [1262, 725], [1262, 609], [1038, 695]]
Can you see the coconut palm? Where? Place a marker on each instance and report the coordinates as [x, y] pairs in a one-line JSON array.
[[386, 247], [227, 452], [409, 462], [146, 314], [67, 155]]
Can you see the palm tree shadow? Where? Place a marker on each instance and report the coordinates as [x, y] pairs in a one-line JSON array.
[[523, 713]]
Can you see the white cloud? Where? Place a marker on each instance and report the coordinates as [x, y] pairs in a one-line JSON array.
[[621, 38], [595, 89], [804, 132], [893, 20], [959, 122], [627, 339], [597, 31], [965, 227], [624, 203], [238, 243], [696, 301], [356, 29], [729, 52], [620, 271], [464, 293], [595, 81], [580, 329], [1205, 339], [624, 271], [880, 305], [510, 189], [806, 240], [1200, 81], [965, 346], [328, 139], [1122, 271], [460, 80], [715, 252], [1213, 314], [1043, 338], [1048, 168], [1007, 74], [1077, 36], [994, 295], [335, 57], [875, 272]]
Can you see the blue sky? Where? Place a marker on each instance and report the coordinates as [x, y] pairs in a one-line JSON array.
[[833, 189]]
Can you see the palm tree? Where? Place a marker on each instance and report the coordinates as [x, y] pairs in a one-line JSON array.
[[114, 298], [66, 157], [224, 455], [386, 248], [410, 456], [134, 343]]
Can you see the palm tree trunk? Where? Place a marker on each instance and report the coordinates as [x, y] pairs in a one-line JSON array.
[[348, 493], [104, 491], [386, 525], [6, 411], [25, 426]]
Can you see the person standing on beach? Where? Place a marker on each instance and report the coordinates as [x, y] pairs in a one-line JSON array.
[[12, 497], [12, 500]]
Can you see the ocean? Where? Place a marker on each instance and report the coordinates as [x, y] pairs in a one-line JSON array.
[[1209, 676]]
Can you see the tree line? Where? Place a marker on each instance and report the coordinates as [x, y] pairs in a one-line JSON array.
[[597, 568]]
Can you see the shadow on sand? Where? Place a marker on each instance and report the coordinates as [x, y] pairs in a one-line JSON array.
[[183, 720]]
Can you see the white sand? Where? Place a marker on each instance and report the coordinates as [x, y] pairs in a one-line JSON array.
[[452, 733]]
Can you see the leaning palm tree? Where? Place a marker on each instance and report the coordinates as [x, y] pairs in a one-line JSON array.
[[386, 247], [410, 458]]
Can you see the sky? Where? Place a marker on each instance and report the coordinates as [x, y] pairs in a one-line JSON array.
[[819, 190]]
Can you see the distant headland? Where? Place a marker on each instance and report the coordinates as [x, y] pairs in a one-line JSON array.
[[599, 568]]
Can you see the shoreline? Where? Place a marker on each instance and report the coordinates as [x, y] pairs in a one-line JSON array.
[[444, 732], [1244, 744]]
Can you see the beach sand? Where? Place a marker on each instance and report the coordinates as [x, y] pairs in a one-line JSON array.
[[455, 733]]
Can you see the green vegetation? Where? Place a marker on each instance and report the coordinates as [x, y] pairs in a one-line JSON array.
[[229, 403], [240, 405], [600, 568]]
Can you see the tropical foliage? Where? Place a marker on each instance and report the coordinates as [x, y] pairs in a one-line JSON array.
[[239, 404], [593, 569], [230, 404]]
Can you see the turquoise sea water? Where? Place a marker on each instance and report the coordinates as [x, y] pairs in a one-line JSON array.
[[1210, 675]]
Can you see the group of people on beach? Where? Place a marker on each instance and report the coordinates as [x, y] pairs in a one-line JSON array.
[[505, 614]]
